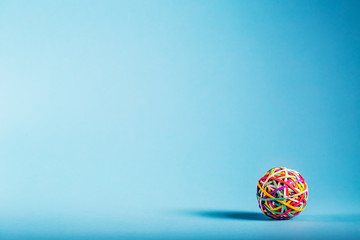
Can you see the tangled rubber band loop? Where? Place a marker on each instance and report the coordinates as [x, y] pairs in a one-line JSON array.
[[282, 193]]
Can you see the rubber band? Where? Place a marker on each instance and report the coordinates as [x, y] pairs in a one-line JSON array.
[[282, 193]]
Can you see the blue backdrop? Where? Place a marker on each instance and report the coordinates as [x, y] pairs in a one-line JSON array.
[[155, 119]]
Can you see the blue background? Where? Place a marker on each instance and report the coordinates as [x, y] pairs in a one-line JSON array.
[[155, 119]]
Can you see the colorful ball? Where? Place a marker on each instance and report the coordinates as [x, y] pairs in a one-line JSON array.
[[282, 193]]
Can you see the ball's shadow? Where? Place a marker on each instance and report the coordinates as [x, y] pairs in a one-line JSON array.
[[235, 215]]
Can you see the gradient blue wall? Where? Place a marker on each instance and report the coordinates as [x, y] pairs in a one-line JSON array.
[[115, 114]]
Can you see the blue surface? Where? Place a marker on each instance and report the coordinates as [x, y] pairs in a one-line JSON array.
[[155, 119]]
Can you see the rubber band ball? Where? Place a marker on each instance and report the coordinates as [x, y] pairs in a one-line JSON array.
[[282, 193]]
